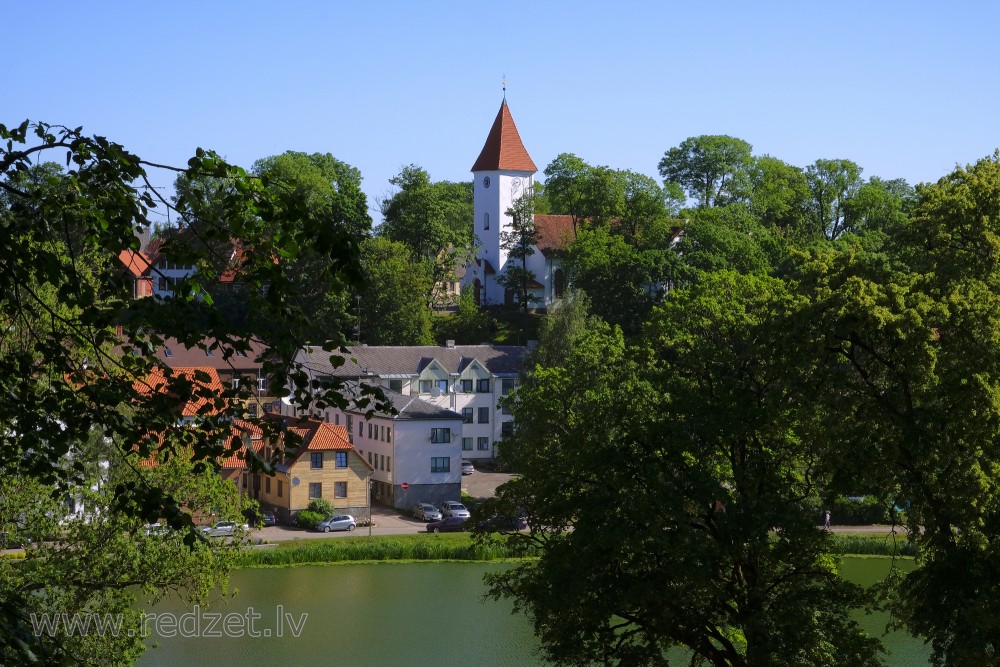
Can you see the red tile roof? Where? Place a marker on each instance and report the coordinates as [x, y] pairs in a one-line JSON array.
[[137, 263], [233, 459], [156, 381], [503, 149], [555, 232]]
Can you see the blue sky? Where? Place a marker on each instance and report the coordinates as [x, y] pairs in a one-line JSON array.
[[905, 89]]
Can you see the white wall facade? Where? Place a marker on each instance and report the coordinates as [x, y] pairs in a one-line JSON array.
[[494, 193]]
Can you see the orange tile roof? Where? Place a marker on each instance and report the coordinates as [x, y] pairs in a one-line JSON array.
[[319, 435], [234, 459], [137, 263], [156, 381], [555, 232], [503, 149]]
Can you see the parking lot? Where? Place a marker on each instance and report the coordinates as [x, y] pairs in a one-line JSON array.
[[389, 521]]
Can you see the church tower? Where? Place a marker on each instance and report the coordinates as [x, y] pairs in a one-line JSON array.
[[502, 173]]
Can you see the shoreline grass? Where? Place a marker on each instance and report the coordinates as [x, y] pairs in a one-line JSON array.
[[460, 547]]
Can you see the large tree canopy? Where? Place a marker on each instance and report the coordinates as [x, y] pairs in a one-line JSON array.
[[76, 349], [711, 168]]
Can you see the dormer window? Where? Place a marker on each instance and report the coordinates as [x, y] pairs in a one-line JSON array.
[[209, 353], [167, 352]]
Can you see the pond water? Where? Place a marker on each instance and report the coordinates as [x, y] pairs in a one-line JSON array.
[[410, 614]]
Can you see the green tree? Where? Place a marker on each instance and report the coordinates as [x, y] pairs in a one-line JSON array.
[[433, 219], [519, 240], [903, 337], [623, 281], [833, 184], [75, 350], [711, 168], [678, 468], [468, 325], [779, 196], [393, 310]]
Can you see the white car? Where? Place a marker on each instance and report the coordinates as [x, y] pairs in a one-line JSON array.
[[224, 529], [453, 508], [468, 468]]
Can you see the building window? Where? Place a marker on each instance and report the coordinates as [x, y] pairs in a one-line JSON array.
[[425, 386], [506, 428], [236, 382], [466, 444], [560, 283], [388, 464], [466, 415], [341, 459], [167, 352], [440, 464], [262, 385], [370, 459], [443, 386], [361, 427], [388, 434], [484, 415], [466, 386], [483, 386], [369, 430], [483, 445], [316, 460], [440, 435], [315, 490], [336, 418], [252, 409], [340, 489], [382, 459], [396, 386], [267, 485], [280, 488], [507, 386], [350, 424], [486, 220]]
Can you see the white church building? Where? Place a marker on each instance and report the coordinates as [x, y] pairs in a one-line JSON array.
[[502, 173]]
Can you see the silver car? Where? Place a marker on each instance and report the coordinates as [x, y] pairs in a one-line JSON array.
[[224, 529], [453, 508], [426, 512], [339, 522]]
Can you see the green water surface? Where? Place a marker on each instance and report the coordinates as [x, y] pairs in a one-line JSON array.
[[411, 614]]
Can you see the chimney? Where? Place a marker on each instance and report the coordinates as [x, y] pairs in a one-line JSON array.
[[449, 344]]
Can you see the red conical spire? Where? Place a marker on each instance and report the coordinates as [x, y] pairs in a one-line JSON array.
[[503, 150]]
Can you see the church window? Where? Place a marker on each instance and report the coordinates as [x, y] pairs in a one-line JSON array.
[[486, 220]]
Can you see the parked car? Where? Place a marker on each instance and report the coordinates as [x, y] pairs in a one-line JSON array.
[[503, 523], [224, 529], [451, 524], [468, 468], [339, 522], [268, 519], [453, 508], [156, 529], [426, 512]]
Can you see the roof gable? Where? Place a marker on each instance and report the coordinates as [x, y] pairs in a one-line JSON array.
[[503, 149]]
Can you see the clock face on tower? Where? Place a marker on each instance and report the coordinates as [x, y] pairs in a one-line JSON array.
[[486, 181]]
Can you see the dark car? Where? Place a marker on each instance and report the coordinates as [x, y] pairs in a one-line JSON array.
[[451, 524], [268, 519], [498, 524]]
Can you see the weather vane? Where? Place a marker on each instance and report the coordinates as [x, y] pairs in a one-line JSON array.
[[504, 87]]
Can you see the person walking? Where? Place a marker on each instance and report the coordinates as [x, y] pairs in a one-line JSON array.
[[826, 519]]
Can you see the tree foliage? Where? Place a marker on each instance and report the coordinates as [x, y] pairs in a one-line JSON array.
[[711, 168], [393, 308], [76, 346]]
